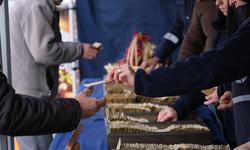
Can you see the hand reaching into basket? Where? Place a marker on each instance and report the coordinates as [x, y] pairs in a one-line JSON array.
[[167, 113], [123, 74]]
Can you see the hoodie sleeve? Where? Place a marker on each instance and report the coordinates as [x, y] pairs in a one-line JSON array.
[[187, 103]]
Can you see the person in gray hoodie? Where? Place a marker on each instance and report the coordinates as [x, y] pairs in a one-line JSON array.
[[36, 53]]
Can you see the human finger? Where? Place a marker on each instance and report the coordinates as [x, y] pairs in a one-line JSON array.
[[167, 113], [93, 52], [160, 115], [143, 65], [165, 117], [151, 67], [116, 75], [225, 106], [225, 101], [126, 77], [111, 74], [93, 47], [209, 97], [101, 102], [209, 102], [88, 91]]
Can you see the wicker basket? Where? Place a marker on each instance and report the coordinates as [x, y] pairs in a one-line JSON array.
[[140, 49]]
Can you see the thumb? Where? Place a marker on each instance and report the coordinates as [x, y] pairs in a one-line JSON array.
[[101, 102], [224, 96], [88, 91], [150, 68], [209, 97], [209, 102]]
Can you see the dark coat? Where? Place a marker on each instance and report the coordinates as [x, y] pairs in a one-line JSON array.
[[199, 35], [189, 102], [30, 116], [183, 16], [227, 63]]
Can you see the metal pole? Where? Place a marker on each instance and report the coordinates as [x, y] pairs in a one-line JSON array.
[[72, 35], [6, 142], [5, 40]]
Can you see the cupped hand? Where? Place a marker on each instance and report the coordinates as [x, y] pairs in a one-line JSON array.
[[89, 106], [89, 51], [167, 113], [226, 101], [125, 76]]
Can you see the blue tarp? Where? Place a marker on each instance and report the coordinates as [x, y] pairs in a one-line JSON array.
[[113, 23]]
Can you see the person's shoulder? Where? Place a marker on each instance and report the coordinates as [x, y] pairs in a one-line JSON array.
[[205, 4], [27, 5]]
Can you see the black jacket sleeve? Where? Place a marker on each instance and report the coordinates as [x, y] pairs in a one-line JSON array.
[[30, 116], [166, 47], [187, 103], [216, 67]]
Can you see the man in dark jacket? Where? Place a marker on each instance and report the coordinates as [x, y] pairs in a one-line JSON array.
[[32, 116], [173, 38], [195, 38]]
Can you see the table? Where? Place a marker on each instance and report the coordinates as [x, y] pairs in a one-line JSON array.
[[92, 136]]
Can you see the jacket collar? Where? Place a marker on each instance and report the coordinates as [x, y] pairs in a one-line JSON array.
[[220, 24], [247, 21]]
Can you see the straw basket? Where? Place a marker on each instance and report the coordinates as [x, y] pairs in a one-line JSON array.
[[140, 49]]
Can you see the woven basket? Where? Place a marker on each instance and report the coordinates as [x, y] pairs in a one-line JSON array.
[[140, 49]]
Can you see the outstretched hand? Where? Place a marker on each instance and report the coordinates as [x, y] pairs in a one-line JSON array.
[[122, 74], [89, 106], [89, 51], [212, 99], [167, 113], [151, 63]]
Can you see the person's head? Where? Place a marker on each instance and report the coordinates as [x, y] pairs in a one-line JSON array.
[[1, 1], [234, 11], [58, 2], [222, 5]]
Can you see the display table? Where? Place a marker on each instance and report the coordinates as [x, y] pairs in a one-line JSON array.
[[92, 136]]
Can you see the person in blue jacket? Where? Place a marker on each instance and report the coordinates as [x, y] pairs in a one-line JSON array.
[[173, 38], [186, 103], [229, 62]]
